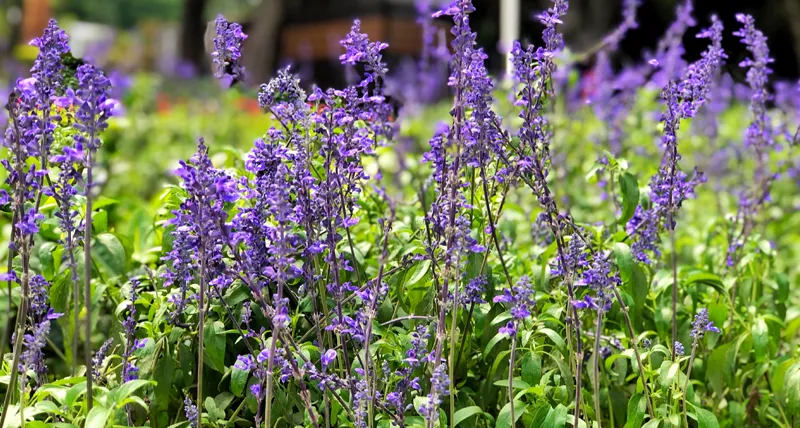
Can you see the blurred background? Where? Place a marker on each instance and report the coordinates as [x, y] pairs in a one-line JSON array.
[[166, 36]]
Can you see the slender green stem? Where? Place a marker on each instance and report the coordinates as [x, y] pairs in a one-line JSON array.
[[686, 384], [9, 314], [596, 364], [674, 289], [511, 378], [87, 279], [201, 314], [635, 346]]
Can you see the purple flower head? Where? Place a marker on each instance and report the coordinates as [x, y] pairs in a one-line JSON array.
[[628, 23], [440, 387], [255, 389], [670, 50], [521, 298], [759, 133], [201, 227], [510, 329], [46, 71], [358, 49], [245, 362], [191, 412], [598, 277], [284, 96], [473, 292], [32, 361], [701, 325], [679, 350], [228, 50], [327, 358], [99, 358], [94, 105]]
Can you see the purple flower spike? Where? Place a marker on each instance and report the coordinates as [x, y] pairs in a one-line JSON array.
[[701, 325], [227, 52]]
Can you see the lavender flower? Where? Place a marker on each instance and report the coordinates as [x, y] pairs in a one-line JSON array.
[[440, 387], [245, 363], [598, 277], [759, 135], [670, 50], [670, 187], [228, 50], [521, 299], [94, 106], [47, 67], [474, 290], [701, 325], [358, 49], [99, 358], [679, 350], [191, 412], [200, 223], [628, 23]]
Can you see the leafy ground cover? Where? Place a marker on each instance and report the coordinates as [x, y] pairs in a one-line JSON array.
[[540, 252]]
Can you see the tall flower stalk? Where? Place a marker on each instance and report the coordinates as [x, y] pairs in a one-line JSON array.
[[29, 136], [94, 107]]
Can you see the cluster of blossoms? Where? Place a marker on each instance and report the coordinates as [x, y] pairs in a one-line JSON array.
[[670, 187], [521, 299], [760, 135], [702, 325], [28, 137], [228, 50]]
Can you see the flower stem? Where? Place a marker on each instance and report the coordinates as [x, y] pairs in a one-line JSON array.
[[596, 363], [201, 315], [686, 384], [511, 377], [635, 346], [87, 278]]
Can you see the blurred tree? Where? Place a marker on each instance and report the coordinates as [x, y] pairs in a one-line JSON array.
[[193, 29], [119, 13]]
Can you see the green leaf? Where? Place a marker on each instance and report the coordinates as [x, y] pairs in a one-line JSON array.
[[214, 347], [532, 368], [504, 418], [669, 371], [98, 417], [73, 393], [515, 384], [100, 222], [238, 381], [109, 255], [102, 202], [557, 340], [719, 366], [125, 390], [760, 334], [777, 380], [46, 259], [557, 418], [636, 410], [791, 389], [164, 373], [629, 188], [705, 419], [624, 259], [416, 273], [465, 413]]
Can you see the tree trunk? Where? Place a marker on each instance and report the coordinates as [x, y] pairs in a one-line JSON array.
[[192, 31], [261, 46]]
